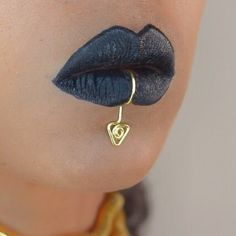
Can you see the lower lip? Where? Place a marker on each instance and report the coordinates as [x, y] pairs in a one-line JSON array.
[[114, 87]]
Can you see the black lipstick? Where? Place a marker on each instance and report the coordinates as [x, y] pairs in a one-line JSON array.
[[98, 71]]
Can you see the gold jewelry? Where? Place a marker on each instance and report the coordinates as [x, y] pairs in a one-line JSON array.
[[118, 130], [133, 86]]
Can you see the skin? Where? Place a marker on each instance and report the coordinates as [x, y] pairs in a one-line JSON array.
[[55, 154]]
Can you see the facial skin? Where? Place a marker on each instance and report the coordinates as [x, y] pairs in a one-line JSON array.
[[51, 138]]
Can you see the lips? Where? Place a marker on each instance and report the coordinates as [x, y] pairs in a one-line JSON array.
[[98, 72]]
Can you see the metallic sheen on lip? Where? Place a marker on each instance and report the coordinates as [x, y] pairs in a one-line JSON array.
[[97, 72]]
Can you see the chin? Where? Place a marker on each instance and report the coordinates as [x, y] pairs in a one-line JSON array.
[[94, 171]]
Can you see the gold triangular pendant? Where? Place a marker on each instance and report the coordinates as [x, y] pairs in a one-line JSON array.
[[117, 132]]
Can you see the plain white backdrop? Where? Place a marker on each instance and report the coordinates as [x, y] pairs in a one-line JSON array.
[[193, 184]]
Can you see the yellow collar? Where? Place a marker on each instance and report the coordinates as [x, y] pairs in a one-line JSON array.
[[111, 219]]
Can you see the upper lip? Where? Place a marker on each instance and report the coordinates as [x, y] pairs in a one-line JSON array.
[[149, 53]]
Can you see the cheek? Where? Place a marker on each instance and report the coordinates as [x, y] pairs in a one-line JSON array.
[[52, 138]]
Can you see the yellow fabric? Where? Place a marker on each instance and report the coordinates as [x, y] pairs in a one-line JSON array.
[[111, 219]]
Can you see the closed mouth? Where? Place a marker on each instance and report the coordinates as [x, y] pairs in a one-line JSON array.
[[98, 72]]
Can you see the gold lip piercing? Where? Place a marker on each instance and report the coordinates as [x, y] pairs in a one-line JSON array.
[[118, 130], [133, 86]]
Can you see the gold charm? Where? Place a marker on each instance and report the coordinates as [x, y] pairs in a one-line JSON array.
[[118, 130]]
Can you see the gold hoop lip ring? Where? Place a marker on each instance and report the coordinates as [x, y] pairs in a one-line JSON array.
[[133, 86]]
